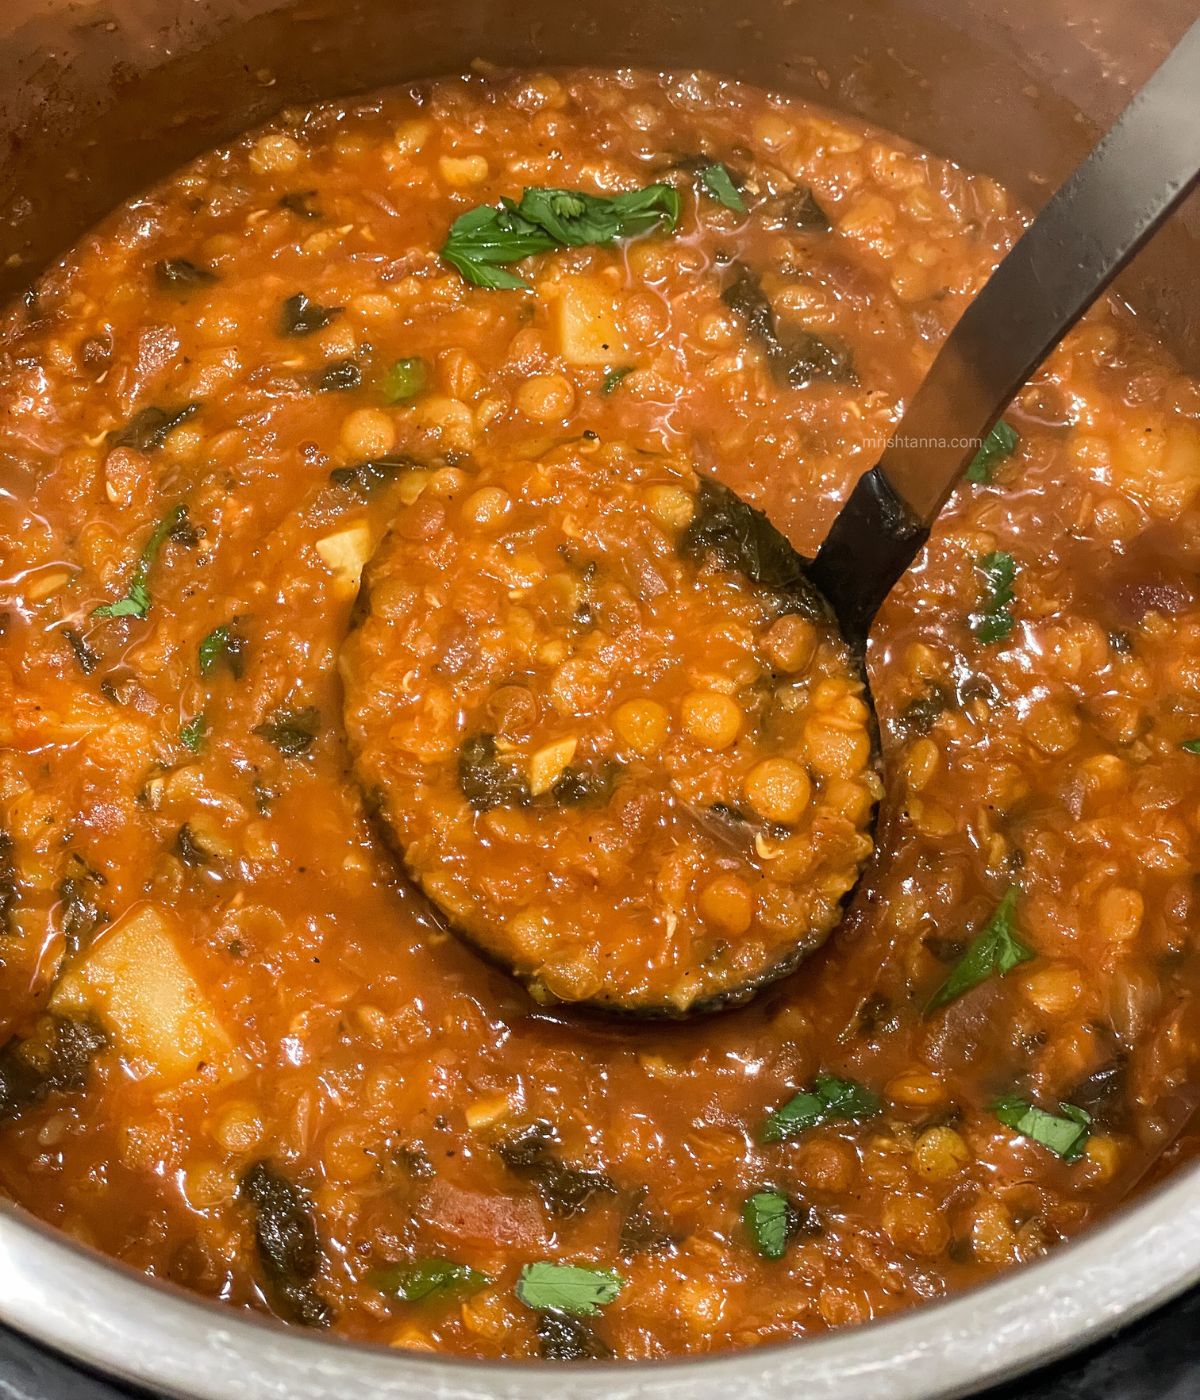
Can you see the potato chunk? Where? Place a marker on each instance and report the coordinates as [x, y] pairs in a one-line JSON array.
[[137, 983], [584, 318], [345, 552]]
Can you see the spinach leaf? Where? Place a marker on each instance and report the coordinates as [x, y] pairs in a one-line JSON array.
[[799, 210], [188, 850], [149, 428], [1000, 443], [87, 658], [365, 478], [136, 602], [300, 203], [567, 1288], [300, 316], [795, 356], [10, 889], [564, 1338], [483, 241], [830, 1100], [486, 779], [1064, 1135], [565, 1190], [923, 712], [424, 1278], [224, 645], [339, 376], [720, 184], [181, 276], [644, 1231], [285, 1234], [613, 378], [405, 380], [81, 914], [194, 732], [53, 1058], [741, 538], [577, 786], [771, 1219], [994, 620], [292, 732], [995, 951]]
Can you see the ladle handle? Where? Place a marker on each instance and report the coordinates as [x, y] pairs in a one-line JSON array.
[[1093, 224]]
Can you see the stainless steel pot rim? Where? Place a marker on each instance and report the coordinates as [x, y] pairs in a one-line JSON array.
[[162, 1338]]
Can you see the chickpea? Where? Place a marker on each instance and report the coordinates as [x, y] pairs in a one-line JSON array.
[[641, 725], [367, 433], [487, 506], [727, 903], [546, 398], [778, 790], [1119, 913], [459, 172], [940, 1154], [711, 719], [915, 1088], [915, 1224], [790, 643], [671, 506], [275, 153], [835, 750]]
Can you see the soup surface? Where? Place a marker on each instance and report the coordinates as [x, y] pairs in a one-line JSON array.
[[243, 1053]]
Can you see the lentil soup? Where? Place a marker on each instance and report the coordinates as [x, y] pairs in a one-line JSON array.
[[242, 1052]]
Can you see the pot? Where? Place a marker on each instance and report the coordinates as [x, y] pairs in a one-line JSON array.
[[100, 97]]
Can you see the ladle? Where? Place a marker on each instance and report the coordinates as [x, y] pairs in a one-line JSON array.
[[1094, 223]]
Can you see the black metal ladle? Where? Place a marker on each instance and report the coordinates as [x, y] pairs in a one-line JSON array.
[[1095, 222]]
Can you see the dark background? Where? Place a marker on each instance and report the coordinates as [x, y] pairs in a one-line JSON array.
[[1158, 1359]]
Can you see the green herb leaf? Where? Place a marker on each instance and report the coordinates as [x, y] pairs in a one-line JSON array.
[[796, 357], [291, 731], [1065, 1136], [339, 376], [483, 241], [405, 380], [563, 1338], [799, 211], [223, 644], [363, 479], [488, 779], [192, 735], [422, 1278], [567, 1288], [741, 538], [1000, 443], [613, 378], [179, 275], [289, 1248], [719, 183], [149, 428], [136, 602], [995, 951], [994, 620], [300, 316], [830, 1100], [771, 1220], [1190, 746]]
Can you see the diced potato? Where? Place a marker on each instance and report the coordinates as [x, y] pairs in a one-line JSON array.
[[547, 763], [138, 984], [481, 1112], [584, 319], [345, 552], [44, 584]]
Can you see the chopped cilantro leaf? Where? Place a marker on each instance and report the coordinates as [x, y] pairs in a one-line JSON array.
[[567, 1288], [830, 1100], [192, 735], [405, 380], [1000, 443], [719, 183], [994, 620], [1063, 1135], [995, 951], [136, 602], [423, 1278]]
